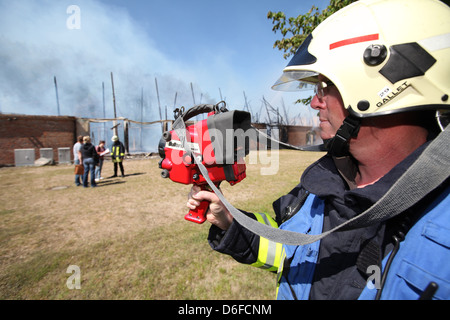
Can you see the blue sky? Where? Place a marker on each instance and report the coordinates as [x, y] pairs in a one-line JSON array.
[[215, 45]]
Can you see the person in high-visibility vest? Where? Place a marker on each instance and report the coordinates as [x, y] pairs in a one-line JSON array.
[[379, 70], [117, 155]]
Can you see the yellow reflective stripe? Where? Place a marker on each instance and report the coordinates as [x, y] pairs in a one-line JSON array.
[[278, 251], [116, 150], [269, 252], [280, 269]]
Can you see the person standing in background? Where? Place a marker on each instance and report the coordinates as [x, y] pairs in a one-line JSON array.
[[77, 159], [117, 154], [89, 157], [98, 169]]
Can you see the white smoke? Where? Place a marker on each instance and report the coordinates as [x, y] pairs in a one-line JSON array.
[[40, 40]]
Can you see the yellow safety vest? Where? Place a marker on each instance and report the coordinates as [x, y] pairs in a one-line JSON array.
[[117, 153]]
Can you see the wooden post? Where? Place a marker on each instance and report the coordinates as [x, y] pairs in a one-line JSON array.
[[57, 97], [159, 105], [116, 132]]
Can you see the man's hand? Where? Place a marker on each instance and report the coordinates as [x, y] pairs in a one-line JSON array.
[[217, 213]]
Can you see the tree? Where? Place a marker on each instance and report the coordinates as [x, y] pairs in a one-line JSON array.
[[295, 29]]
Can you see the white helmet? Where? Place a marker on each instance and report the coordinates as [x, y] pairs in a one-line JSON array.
[[384, 56]]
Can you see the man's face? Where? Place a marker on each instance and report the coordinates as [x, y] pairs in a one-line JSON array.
[[331, 110]]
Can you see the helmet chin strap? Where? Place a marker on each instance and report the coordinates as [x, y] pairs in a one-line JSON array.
[[338, 145]]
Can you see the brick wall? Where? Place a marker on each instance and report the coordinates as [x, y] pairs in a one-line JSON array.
[[34, 132], [297, 135]]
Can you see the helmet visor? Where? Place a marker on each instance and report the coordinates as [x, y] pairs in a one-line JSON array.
[[296, 81]]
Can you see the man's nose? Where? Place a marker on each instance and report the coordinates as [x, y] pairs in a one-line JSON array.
[[317, 103]]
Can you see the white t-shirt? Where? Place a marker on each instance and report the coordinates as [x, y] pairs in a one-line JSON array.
[[76, 148]]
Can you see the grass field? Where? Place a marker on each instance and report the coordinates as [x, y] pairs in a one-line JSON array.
[[128, 236]]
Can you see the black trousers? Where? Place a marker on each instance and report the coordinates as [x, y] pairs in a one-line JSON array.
[[121, 168]]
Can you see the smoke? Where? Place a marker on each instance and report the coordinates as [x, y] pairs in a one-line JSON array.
[[40, 40], [81, 43]]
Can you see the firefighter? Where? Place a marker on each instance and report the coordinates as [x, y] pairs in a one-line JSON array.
[[117, 155], [380, 73]]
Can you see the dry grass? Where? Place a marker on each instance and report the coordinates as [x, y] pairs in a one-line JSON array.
[[128, 236]]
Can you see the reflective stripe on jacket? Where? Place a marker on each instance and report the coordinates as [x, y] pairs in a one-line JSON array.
[[117, 152], [269, 252]]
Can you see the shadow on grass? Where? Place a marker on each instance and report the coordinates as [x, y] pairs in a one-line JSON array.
[[109, 183], [112, 180], [127, 175]]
